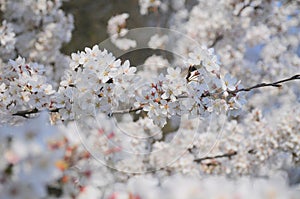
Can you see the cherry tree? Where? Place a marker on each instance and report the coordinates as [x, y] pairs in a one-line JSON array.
[[219, 118]]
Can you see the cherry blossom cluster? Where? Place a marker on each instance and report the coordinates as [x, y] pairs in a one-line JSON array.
[[32, 158], [23, 87], [203, 90], [180, 187], [257, 148], [244, 34], [7, 40], [68, 171], [96, 82], [40, 160], [39, 29]]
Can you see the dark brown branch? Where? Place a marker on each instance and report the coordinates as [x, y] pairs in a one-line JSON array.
[[26, 112], [225, 155], [130, 110], [32, 111], [274, 84], [243, 8], [217, 39], [247, 5]]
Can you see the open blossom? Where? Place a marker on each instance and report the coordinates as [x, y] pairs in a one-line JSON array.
[[175, 85], [153, 65], [117, 25], [229, 83], [124, 43], [173, 74], [7, 39], [237, 101], [117, 31], [204, 57], [146, 5], [158, 42]]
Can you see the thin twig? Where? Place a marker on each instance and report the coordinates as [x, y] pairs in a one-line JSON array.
[[130, 110], [225, 155], [274, 84], [217, 39], [247, 5], [243, 8]]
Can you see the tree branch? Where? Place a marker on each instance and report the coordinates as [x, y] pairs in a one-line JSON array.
[[243, 8], [31, 111], [26, 112], [35, 110], [247, 5], [218, 38], [274, 84], [225, 155], [130, 110]]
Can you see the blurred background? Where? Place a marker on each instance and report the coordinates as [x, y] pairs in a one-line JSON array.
[[91, 18]]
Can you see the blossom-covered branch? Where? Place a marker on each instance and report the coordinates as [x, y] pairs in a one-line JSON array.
[[25, 113]]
